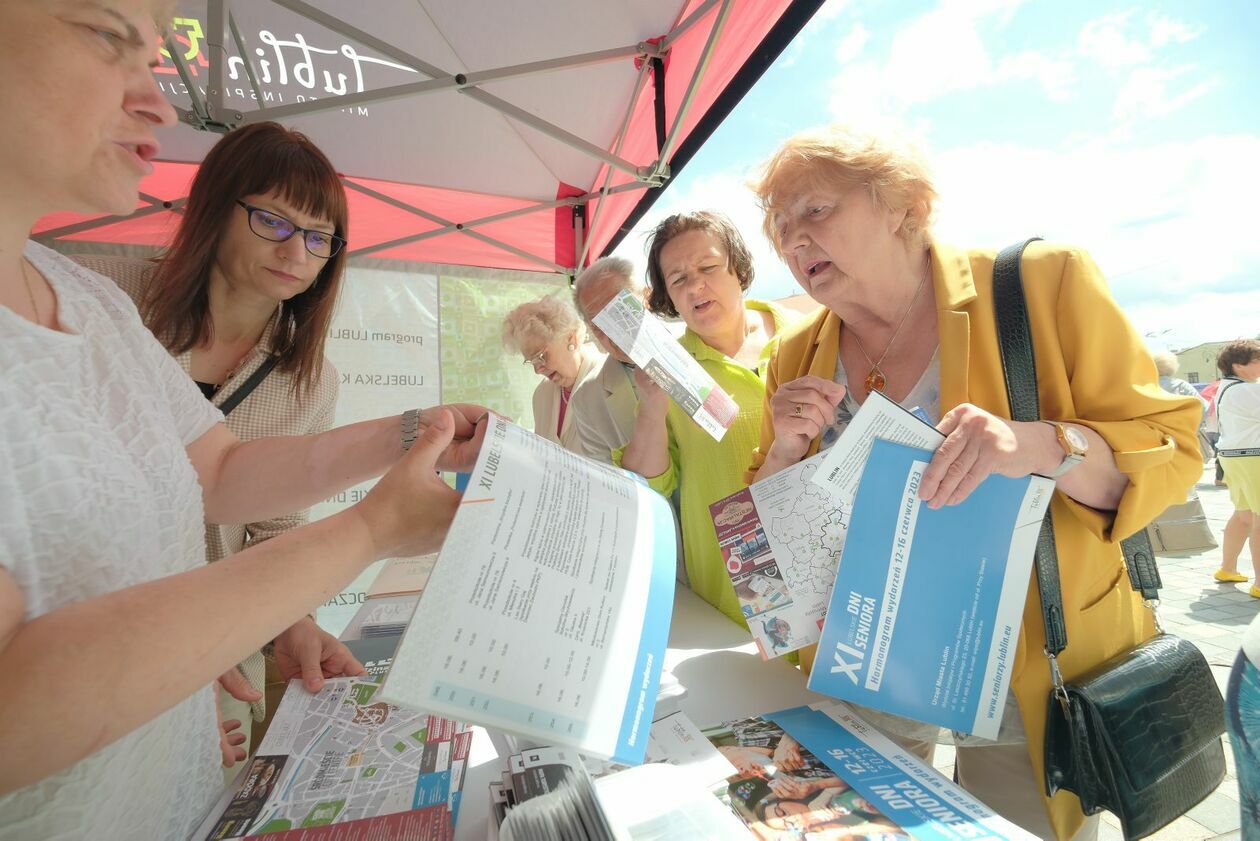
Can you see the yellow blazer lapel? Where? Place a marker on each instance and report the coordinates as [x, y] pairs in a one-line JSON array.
[[955, 290]]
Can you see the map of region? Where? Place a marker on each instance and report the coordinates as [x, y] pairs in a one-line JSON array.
[[348, 757], [811, 525]]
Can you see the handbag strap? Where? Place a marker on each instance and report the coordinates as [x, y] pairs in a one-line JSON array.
[[249, 385], [1019, 368]]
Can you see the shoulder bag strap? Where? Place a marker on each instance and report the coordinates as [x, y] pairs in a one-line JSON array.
[[249, 385], [1020, 371]]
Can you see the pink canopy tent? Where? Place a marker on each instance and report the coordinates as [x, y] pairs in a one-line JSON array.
[[527, 136]]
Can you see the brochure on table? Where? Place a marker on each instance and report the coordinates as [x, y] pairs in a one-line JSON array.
[[927, 604], [547, 613], [659, 355], [341, 764], [841, 777], [781, 537]]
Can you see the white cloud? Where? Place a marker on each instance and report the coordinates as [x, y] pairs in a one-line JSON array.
[[1056, 75], [1148, 92], [829, 11], [1165, 30], [1108, 41], [851, 45], [942, 52], [1168, 222]]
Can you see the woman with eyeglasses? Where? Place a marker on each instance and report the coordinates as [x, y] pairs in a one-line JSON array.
[[243, 299], [113, 628], [551, 337]]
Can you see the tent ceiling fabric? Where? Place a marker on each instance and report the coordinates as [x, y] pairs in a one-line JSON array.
[[500, 142]]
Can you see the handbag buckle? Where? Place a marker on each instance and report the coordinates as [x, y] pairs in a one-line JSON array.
[[1056, 677], [1153, 605]]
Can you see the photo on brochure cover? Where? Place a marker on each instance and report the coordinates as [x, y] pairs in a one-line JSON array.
[[782, 791]]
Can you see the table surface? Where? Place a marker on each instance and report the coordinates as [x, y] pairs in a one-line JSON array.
[[712, 657]]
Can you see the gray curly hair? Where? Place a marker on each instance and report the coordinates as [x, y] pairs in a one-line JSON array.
[[544, 320]]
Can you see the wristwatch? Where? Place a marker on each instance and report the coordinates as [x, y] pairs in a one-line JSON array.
[[411, 427], [1074, 443]]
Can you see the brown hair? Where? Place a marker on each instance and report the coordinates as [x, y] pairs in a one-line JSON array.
[[258, 158], [738, 258], [1237, 352]]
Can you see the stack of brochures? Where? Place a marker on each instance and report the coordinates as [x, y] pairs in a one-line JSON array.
[[547, 794], [341, 764]]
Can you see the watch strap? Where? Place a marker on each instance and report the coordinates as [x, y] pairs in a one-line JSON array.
[[410, 428]]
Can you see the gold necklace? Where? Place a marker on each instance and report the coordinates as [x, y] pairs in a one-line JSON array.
[[876, 380], [30, 292]]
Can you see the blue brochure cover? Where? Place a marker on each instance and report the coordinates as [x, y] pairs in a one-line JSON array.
[[927, 603], [893, 784]]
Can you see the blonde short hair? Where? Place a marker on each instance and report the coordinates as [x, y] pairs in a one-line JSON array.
[[841, 158], [1165, 363], [544, 320]]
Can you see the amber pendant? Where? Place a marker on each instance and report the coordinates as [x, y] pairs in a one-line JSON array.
[[875, 380]]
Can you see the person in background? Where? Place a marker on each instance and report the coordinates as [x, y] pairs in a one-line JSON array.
[[112, 625], [699, 268], [604, 407], [550, 336], [850, 214], [1166, 364], [247, 288], [1238, 453], [1242, 719]]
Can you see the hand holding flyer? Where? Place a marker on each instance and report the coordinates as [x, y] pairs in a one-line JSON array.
[[646, 341]]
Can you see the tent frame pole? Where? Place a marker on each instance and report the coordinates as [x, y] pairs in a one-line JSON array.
[[155, 206], [439, 80], [661, 170], [648, 65], [460, 227]]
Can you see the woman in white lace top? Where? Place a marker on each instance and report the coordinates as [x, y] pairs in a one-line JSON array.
[[112, 627]]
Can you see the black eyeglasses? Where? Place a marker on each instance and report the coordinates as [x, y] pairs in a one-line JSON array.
[[274, 227]]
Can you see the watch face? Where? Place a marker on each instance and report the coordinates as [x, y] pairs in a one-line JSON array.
[[1076, 439]]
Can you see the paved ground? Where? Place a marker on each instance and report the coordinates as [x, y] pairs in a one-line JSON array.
[[1212, 616]]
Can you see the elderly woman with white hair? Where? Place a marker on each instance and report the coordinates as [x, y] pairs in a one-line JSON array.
[[550, 336]]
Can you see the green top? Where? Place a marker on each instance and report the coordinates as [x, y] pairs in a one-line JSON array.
[[703, 470]]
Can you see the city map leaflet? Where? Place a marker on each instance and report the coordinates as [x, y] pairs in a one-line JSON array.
[[341, 764], [781, 540]]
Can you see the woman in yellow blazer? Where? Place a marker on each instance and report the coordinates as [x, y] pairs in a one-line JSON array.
[[913, 318]]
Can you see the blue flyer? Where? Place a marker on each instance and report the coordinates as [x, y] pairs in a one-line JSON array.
[[908, 793], [927, 604]]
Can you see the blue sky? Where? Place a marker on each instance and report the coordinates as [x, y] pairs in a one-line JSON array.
[[1132, 130]]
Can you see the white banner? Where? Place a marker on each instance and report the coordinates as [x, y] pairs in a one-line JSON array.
[[384, 342]]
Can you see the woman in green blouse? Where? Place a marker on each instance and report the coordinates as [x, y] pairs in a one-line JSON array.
[[698, 269]]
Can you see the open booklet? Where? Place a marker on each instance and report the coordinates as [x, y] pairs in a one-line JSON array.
[[657, 353], [547, 613], [927, 605], [781, 537], [822, 772]]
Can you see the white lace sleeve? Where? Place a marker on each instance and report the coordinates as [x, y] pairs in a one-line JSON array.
[[192, 412]]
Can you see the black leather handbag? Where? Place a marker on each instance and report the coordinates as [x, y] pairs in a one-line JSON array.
[[1138, 735]]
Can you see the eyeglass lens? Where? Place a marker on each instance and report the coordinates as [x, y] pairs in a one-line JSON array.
[[278, 229]]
